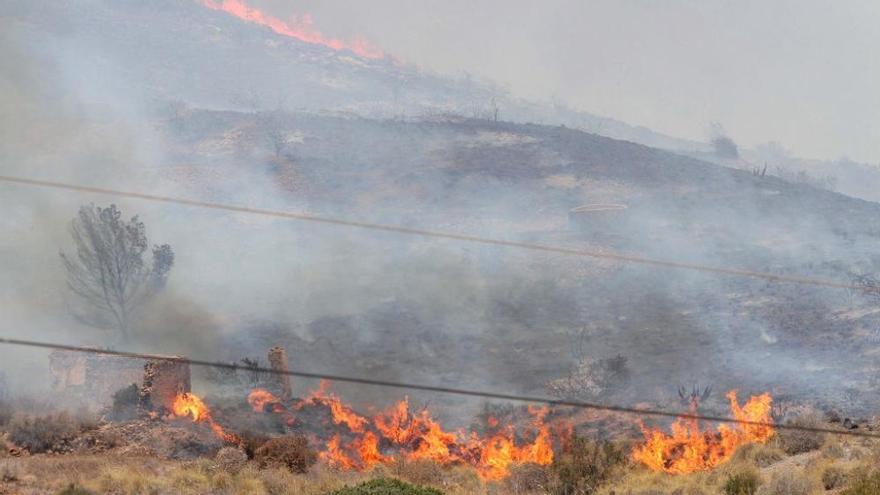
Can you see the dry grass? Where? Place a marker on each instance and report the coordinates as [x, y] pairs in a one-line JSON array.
[[151, 476], [836, 465]]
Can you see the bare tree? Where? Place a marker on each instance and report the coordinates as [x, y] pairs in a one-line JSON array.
[[865, 284], [589, 378], [696, 395], [108, 273], [723, 145], [271, 126]]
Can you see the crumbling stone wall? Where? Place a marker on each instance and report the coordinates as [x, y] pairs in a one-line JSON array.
[[280, 381], [163, 380], [92, 379]]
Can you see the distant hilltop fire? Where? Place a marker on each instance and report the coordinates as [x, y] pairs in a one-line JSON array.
[[301, 28]]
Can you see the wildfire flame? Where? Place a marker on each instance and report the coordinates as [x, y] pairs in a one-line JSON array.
[[399, 432], [262, 400], [688, 449], [192, 406], [361, 442], [342, 414], [302, 28]]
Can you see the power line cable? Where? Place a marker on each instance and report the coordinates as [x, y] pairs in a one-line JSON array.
[[434, 388], [772, 277]]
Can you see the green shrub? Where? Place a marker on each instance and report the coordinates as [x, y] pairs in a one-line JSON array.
[[744, 483], [869, 485], [42, 433], [583, 466], [386, 487], [291, 452]]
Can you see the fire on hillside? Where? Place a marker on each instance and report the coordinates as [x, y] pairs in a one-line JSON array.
[[689, 449], [349, 440]]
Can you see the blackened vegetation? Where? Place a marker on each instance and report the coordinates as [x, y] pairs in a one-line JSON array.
[[695, 396], [246, 376], [126, 403]]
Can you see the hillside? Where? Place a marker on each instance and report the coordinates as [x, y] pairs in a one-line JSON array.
[[178, 50], [521, 182], [168, 99]]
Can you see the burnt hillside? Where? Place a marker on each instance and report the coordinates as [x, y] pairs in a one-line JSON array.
[[514, 313]]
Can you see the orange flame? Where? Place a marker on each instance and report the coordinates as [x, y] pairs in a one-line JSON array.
[[259, 399], [687, 449], [192, 406], [302, 29], [417, 436], [335, 455], [342, 414], [262, 400]]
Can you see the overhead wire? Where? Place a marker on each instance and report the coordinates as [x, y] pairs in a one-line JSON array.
[[397, 229], [435, 388]]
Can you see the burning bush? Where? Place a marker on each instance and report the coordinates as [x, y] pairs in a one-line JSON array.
[[386, 487], [43, 433], [584, 466], [689, 449], [291, 452]]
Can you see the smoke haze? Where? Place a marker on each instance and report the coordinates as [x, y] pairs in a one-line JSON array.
[[672, 66], [158, 118]]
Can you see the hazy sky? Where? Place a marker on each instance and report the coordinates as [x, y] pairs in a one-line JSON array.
[[805, 73]]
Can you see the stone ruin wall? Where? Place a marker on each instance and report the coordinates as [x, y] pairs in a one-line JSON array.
[[280, 381], [92, 379]]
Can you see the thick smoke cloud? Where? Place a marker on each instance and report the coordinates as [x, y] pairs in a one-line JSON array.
[[348, 301]]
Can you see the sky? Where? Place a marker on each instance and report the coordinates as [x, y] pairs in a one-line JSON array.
[[804, 73]]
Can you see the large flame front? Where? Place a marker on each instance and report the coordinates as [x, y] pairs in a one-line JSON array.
[[302, 29], [361, 443], [688, 449], [192, 406]]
